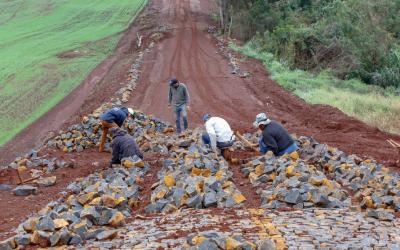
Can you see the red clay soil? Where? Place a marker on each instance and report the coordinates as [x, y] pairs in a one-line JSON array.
[[253, 200], [189, 54], [15, 209], [149, 179]]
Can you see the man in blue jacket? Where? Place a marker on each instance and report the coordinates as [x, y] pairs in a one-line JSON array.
[[114, 117], [274, 137], [123, 146]]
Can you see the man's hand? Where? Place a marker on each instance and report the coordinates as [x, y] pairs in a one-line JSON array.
[[188, 108], [216, 153], [169, 106]]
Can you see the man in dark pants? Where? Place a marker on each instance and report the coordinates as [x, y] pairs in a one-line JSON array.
[[179, 96], [274, 137], [123, 146], [114, 117]]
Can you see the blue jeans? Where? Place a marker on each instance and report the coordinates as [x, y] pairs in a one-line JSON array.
[[289, 149], [221, 145], [264, 148], [178, 111]]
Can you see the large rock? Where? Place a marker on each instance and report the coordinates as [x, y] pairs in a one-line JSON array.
[[194, 202], [210, 200], [46, 224], [293, 197], [25, 190], [46, 182], [107, 235]]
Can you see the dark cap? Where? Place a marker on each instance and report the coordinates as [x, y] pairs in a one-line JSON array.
[[173, 81]]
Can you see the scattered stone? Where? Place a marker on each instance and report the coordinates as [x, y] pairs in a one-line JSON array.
[[25, 190], [46, 182], [106, 235], [5, 187]]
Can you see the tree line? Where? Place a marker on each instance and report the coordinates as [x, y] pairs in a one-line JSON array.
[[352, 38]]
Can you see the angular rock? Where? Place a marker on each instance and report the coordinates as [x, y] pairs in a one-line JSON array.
[[194, 202], [210, 200], [23, 240], [25, 190], [293, 197], [46, 224], [107, 235], [46, 182]]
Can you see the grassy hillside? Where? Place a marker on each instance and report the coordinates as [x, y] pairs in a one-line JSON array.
[[48, 47], [374, 105]]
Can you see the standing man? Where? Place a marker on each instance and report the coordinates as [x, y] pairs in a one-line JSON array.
[[123, 146], [179, 97], [274, 137], [114, 117], [219, 134]]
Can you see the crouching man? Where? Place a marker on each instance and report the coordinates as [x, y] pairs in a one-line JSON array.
[[218, 133], [114, 117], [123, 146], [274, 137]]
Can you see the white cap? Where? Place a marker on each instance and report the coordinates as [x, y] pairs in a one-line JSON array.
[[261, 119]]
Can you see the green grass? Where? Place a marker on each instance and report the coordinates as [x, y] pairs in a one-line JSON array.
[[33, 77], [374, 105]]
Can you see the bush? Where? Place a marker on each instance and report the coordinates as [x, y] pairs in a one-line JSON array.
[[351, 38]]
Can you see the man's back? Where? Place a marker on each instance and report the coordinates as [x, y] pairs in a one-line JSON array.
[[117, 115], [124, 145], [220, 127], [275, 133]]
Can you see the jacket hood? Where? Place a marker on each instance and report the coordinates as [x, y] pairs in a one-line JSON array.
[[117, 132]]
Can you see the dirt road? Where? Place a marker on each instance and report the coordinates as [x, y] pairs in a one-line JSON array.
[[189, 53]]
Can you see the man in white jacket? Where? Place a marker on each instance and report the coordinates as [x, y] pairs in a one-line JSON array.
[[219, 134]]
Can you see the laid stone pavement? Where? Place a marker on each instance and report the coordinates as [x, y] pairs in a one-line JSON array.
[[300, 229]]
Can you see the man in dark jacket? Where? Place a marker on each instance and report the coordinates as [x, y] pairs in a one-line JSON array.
[[123, 146], [274, 137], [114, 117]]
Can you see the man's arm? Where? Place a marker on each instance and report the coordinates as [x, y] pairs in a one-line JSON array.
[[169, 96], [115, 153], [270, 142], [187, 97], [213, 136], [137, 151]]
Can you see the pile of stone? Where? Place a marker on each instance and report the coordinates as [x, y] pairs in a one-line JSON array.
[[32, 160], [194, 177], [226, 52], [88, 133], [95, 206], [216, 240], [372, 183], [290, 182], [133, 76]]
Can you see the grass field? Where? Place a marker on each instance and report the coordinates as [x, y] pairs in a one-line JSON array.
[[372, 104], [48, 47]]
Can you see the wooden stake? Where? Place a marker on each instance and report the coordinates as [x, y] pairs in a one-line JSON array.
[[29, 180], [19, 176], [249, 144]]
